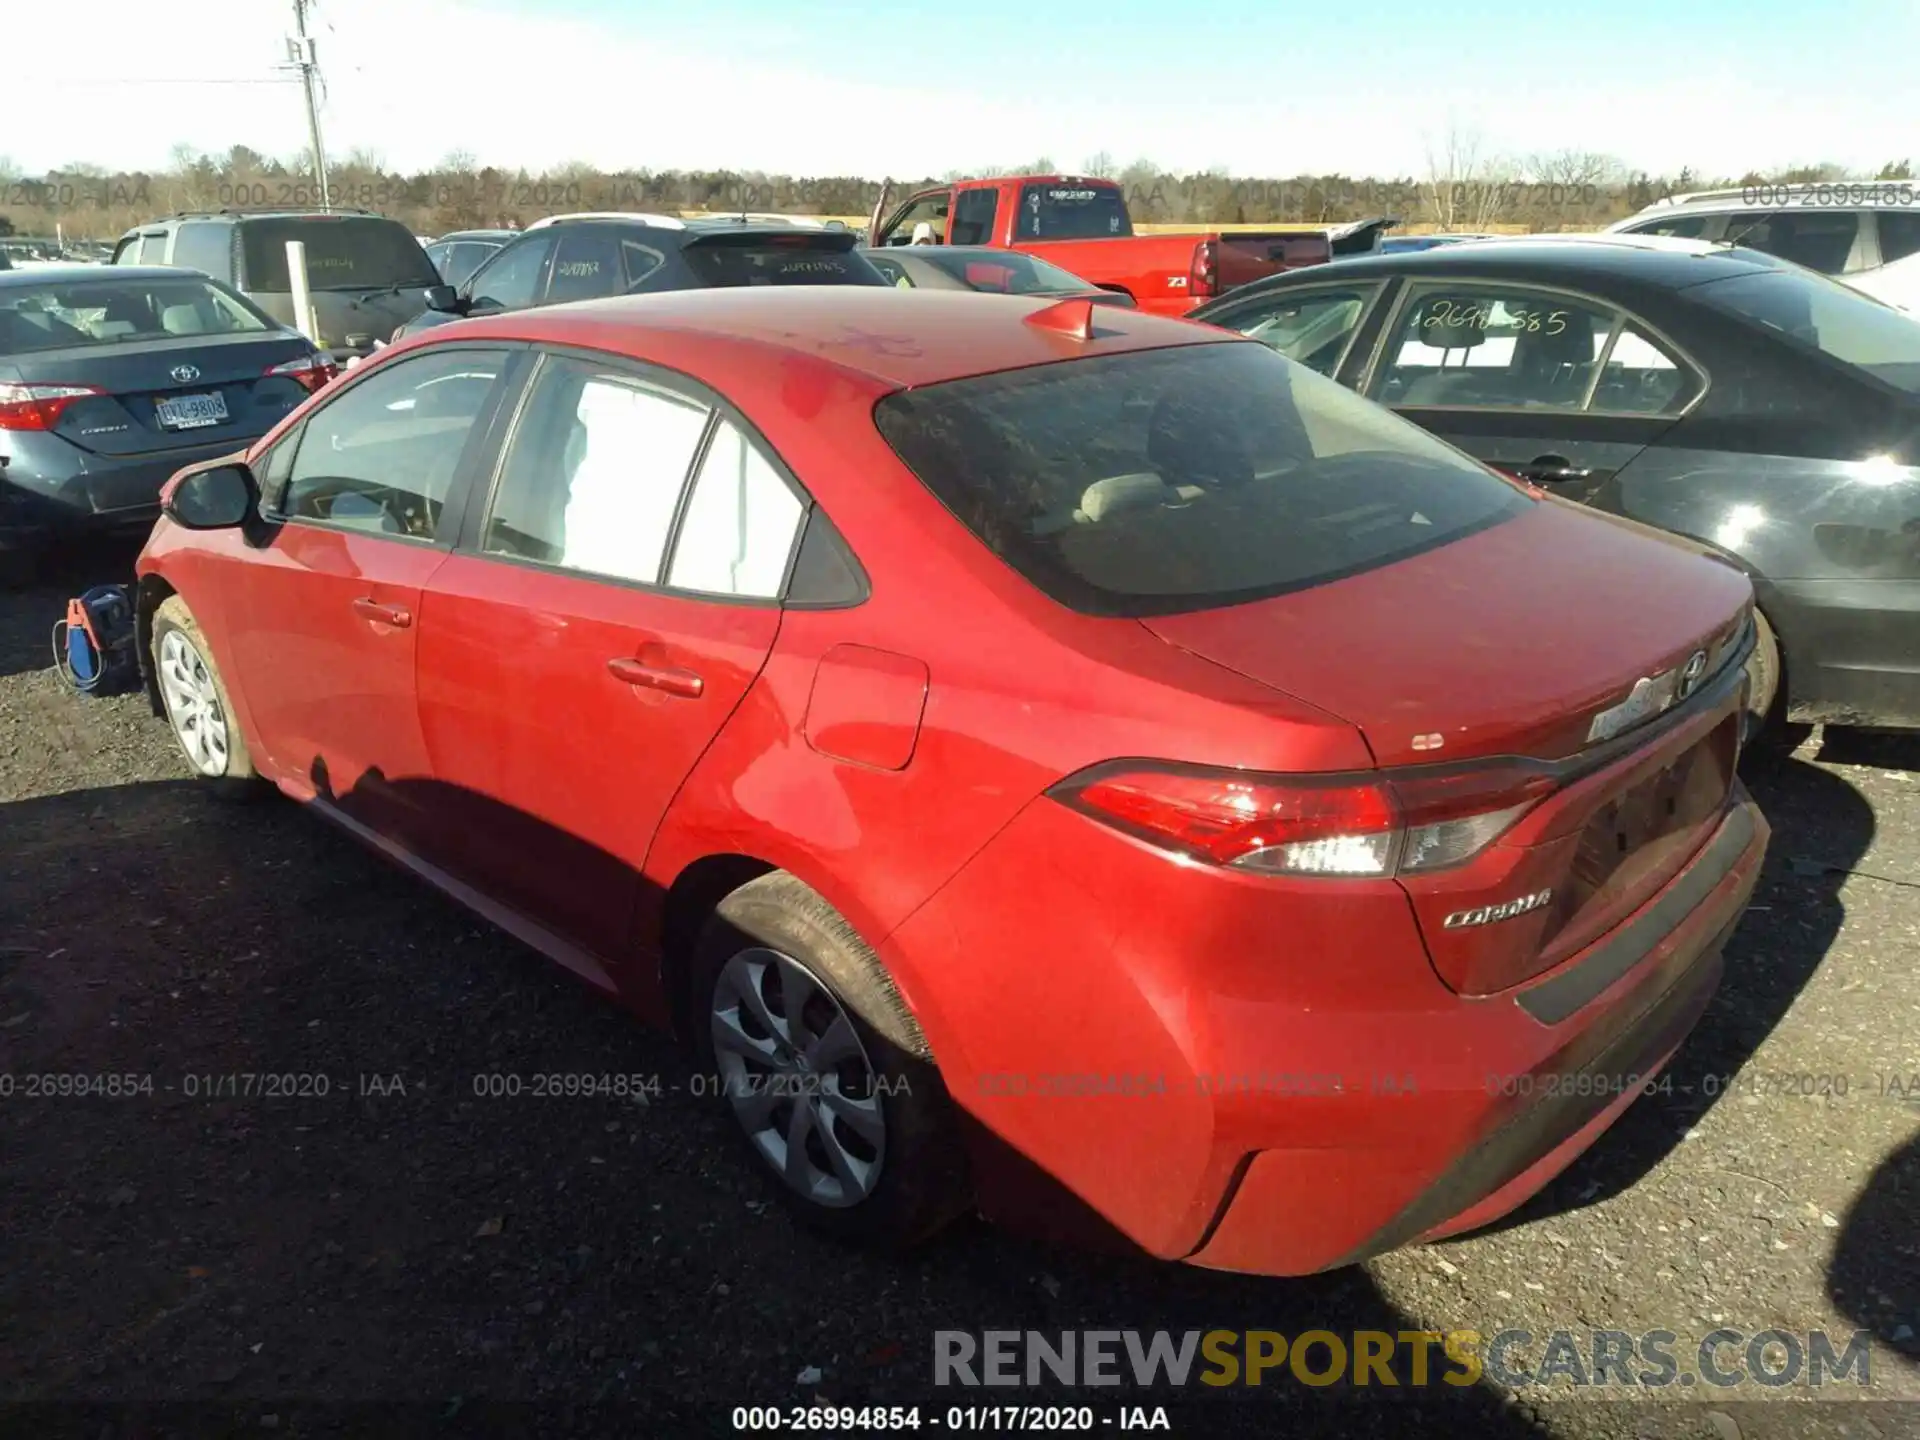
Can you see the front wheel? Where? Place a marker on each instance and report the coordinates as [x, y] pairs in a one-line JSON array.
[[827, 1077], [196, 702]]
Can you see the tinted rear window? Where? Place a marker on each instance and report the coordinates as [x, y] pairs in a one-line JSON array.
[[1063, 210], [120, 311], [1824, 315], [1183, 479], [343, 253], [816, 259]]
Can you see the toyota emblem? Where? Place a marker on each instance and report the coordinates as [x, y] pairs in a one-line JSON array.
[[186, 374], [1692, 673]]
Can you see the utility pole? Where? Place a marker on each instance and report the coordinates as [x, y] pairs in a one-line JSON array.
[[300, 49]]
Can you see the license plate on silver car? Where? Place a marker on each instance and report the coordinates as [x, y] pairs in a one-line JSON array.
[[190, 412]]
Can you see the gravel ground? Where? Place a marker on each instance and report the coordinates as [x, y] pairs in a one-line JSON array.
[[437, 1258]]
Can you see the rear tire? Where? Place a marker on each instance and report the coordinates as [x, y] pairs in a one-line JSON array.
[[800, 1030], [197, 706]]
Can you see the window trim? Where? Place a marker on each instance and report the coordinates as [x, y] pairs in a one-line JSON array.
[[1370, 287], [472, 531], [1426, 284], [454, 509]]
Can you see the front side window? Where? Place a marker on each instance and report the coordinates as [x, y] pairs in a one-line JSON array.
[[1682, 227], [1313, 328], [930, 209], [123, 311], [586, 265], [1186, 478], [740, 524], [594, 473], [512, 280], [1824, 316], [1493, 348], [206, 246], [381, 457], [153, 249]]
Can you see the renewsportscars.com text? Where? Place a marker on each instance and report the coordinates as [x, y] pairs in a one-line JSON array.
[[1654, 1359]]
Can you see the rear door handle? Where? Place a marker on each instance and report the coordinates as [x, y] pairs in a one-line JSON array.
[[684, 683], [398, 616]]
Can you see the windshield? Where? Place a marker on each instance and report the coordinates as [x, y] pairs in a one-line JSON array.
[[1823, 315], [1184, 479], [1004, 272], [107, 312], [1071, 210], [822, 258], [343, 253]]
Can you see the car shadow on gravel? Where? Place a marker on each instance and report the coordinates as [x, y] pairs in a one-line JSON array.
[[309, 1187], [1822, 826], [28, 614], [1874, 1276]]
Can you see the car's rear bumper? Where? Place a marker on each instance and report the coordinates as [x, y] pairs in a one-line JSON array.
[[77, 491], [1267, 1078]]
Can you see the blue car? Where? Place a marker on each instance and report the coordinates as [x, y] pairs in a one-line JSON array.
[[113, 378], [1400, 244]]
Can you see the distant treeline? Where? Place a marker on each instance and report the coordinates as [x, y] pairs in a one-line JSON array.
[[1562, 191]]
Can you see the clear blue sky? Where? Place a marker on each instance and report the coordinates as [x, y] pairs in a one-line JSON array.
[[867, 86]]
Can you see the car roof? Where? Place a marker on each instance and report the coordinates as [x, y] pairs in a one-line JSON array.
[[891, 338], [40, 274], [1557, 259], [1831, 194]]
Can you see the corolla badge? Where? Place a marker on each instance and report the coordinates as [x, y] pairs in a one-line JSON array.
[[185, 374], [1487, 914]]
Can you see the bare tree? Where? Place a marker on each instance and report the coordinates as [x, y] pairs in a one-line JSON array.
[[365, 157], [1099, 164], [1466, 188], [1573, 168]]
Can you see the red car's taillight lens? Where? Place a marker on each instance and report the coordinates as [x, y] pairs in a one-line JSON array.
[[1389, 823], [311, 371], [38, 407]]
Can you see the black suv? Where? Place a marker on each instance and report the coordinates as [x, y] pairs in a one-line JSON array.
[[591, 257], [365, 272]]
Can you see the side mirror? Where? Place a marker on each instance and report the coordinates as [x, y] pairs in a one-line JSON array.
[[443, 298], [218, 497]]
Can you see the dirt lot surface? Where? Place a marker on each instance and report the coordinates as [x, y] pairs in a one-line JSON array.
[[402, 1253]]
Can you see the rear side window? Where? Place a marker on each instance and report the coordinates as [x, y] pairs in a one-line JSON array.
[[204, 245], [153, 249], [1184, 479], [747, 259], [1065, 210], [1824, 315], [1899, 234], [594, 473], [586, 264], [344, 252], [1821, 240], [740, 524]]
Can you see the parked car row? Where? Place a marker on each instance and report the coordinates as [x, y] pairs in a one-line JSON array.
[[935, 705]]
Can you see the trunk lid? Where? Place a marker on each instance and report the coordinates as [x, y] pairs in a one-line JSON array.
[[1506, 642], [1512, 642], [168, 394]]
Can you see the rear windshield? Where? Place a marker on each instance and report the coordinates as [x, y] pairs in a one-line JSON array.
[[1183, 479], [822, 258], [1004, 272], [1824, 315], [343, 253], [1065, 210], [110, 312]]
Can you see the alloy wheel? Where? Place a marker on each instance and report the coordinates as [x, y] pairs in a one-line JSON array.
[[193, 704], [798, 1078]]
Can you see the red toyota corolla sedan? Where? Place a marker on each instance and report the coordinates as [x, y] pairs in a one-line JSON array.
[[1037, 753]]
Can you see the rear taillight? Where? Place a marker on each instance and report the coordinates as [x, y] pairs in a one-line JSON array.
[[1387, 823], [310, 371], [38, 407], [1203, 277]]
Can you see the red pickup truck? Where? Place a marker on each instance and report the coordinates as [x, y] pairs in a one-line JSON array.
[[1082, 225]]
